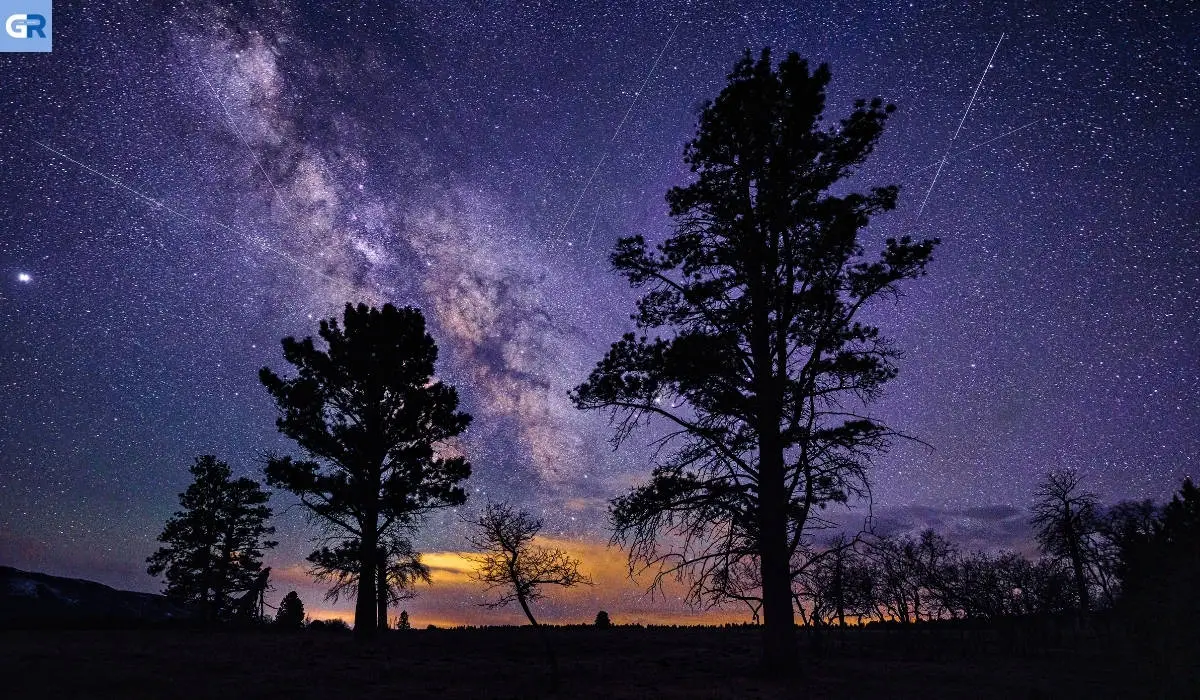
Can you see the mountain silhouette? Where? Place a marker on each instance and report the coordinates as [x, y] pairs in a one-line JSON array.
[[31, 599]]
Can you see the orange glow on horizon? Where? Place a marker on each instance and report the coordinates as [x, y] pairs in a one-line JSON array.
[[453, 599]]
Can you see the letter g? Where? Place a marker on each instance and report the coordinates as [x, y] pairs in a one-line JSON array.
[[15, 26]]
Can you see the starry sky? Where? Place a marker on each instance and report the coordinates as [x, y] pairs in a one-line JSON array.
[[186, 183]]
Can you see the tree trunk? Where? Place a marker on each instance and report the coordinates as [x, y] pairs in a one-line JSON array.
[[381, 589], [221, 579], [550, 655], [1080, 577], [366, 605], [207, 593], [840, 589], [779, 625]]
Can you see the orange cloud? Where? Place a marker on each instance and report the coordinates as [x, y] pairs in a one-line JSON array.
[[455, 599]]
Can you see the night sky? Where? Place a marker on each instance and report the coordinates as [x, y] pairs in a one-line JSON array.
[[183, 186]]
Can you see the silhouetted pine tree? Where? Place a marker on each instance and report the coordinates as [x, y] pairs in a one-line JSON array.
[[756, 351], [213, 547], [370, 417], [1160, 568]]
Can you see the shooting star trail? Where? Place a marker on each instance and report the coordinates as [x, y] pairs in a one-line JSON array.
[[617, 131], [967, 111], [193, 220], [238, 133], [965, 151], [595, 217]]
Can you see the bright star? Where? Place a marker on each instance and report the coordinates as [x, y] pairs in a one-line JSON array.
[[24, 277]]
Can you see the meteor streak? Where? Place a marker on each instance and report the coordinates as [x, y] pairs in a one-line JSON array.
[[595, 217], [617, 131], [193, 220], [238, 133], [962, 121], [979, 145]]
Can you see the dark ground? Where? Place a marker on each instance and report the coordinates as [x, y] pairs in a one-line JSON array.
[[508, 663]]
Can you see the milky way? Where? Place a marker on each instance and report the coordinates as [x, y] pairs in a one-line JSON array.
[[277, 160]]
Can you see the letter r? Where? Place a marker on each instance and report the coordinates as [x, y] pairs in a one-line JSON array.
[[35, 24]]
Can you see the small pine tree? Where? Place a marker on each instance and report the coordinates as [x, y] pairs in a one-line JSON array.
[[291, 612], [602, 620], [212, 548], [403, 623]]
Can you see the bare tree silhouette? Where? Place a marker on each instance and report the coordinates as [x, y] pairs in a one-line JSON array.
[[514, 567], [1065, 521]]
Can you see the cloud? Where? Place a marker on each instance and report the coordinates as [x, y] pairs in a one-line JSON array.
[[983, 527]]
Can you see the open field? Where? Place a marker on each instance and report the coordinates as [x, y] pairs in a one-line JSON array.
[[508, 663]]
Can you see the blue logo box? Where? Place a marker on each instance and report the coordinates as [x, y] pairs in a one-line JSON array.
[[27, 26]]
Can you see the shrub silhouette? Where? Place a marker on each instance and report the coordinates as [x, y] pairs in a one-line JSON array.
[[602, 620], [291, 612], [334, 625]]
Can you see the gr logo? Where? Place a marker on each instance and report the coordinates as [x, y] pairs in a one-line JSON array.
[[27, 25]]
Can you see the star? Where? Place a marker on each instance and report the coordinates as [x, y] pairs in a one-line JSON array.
[[24, 277]]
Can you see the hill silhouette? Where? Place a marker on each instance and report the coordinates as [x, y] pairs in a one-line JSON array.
[[32, 599]]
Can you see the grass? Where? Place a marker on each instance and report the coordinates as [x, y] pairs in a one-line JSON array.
[[623, 662]]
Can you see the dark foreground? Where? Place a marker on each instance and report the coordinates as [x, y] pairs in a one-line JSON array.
[[508, 663]]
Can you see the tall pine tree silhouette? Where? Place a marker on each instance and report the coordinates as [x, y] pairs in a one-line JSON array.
[[372, 422], [751, 353]]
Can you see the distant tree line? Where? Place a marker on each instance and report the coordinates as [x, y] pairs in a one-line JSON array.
[[1133, 556]]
